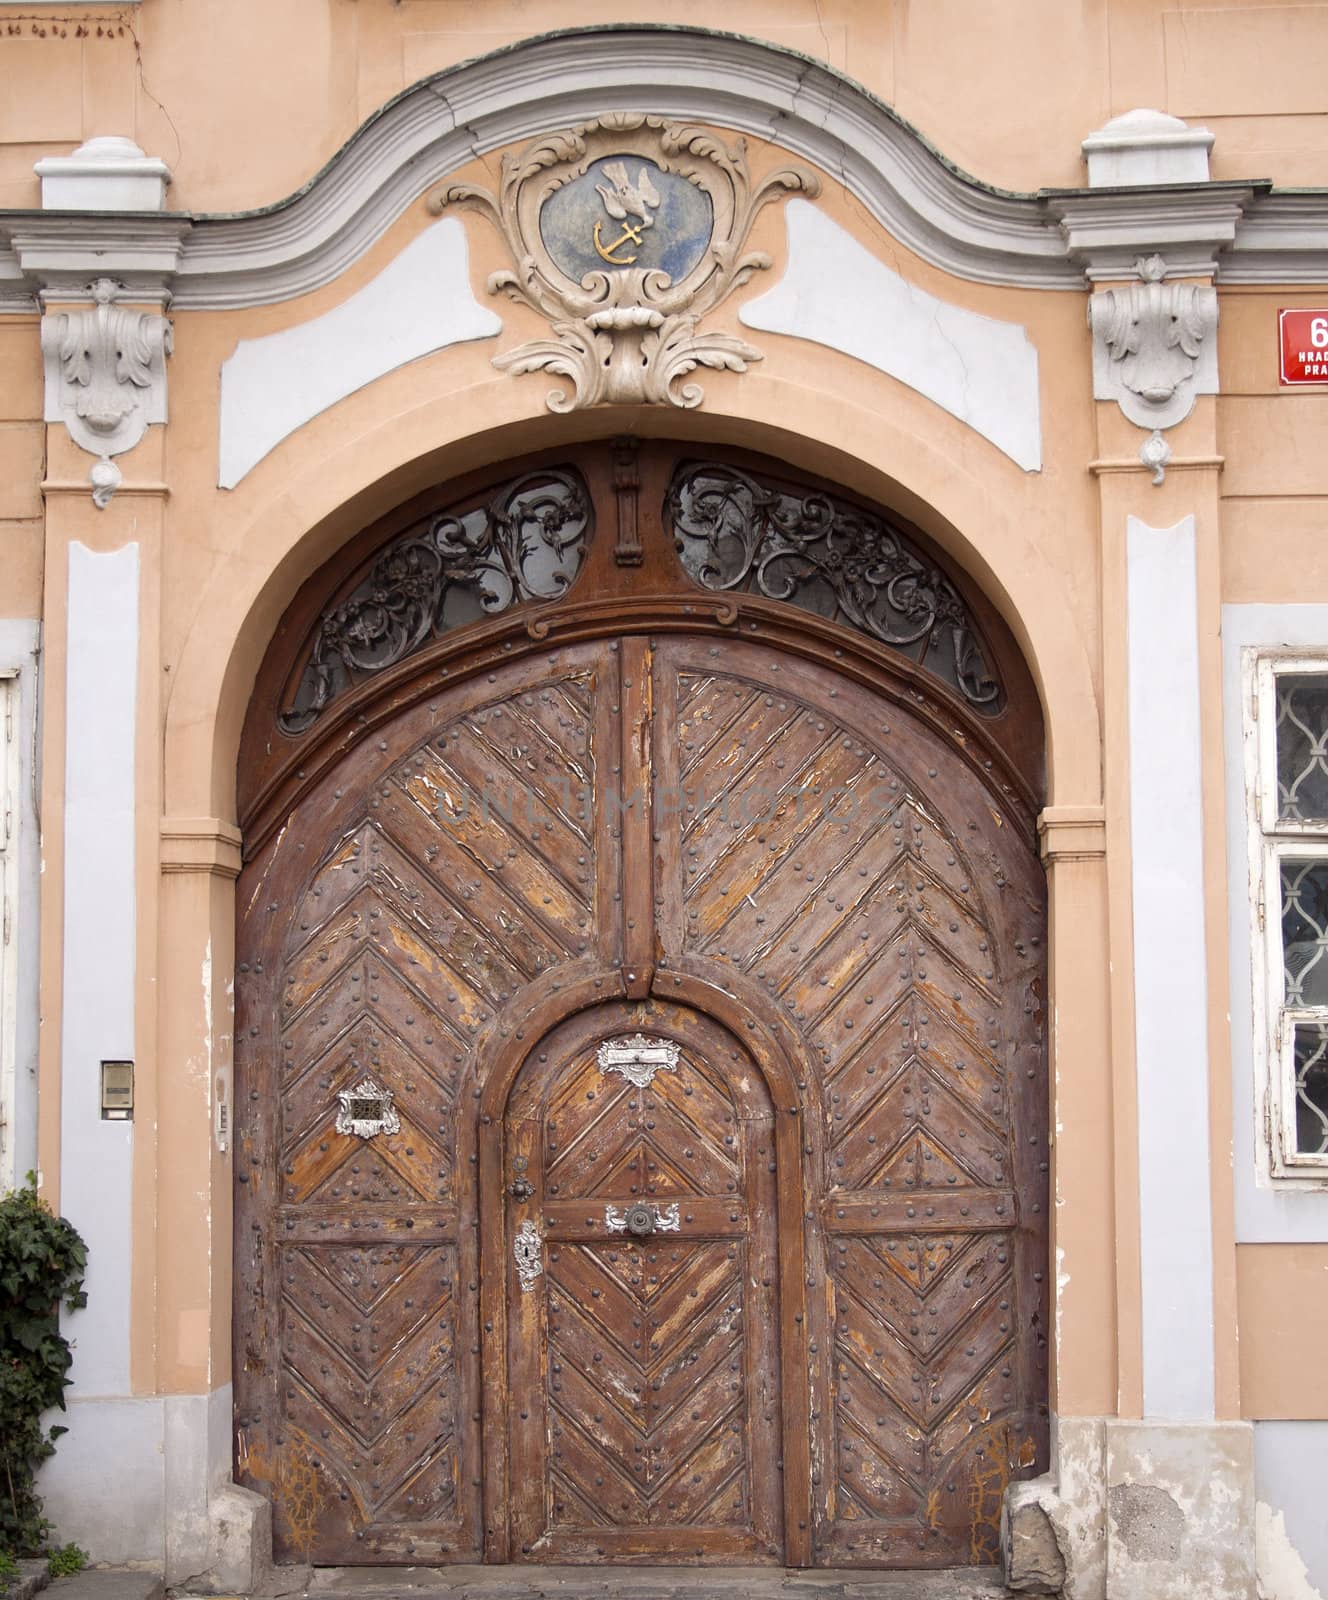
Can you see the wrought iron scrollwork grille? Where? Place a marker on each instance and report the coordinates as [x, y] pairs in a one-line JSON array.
[[527, 543], [735, 532]]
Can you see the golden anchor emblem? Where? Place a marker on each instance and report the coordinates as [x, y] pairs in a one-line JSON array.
[[628, 235], [623, 200]]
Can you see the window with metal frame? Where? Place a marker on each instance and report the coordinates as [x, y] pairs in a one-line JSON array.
[[1287, 767]]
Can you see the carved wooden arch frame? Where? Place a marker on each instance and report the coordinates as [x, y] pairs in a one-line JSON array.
[[1011, 767], [726, 998], [781, 626]]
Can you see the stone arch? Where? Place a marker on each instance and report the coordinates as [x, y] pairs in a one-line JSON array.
[[304, 514]]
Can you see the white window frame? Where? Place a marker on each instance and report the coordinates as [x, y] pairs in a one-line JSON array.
[[1271, 841]]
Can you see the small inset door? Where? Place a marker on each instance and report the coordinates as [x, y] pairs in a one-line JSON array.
[[642, 1268]]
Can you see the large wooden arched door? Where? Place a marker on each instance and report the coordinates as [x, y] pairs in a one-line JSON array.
[[693, 813]]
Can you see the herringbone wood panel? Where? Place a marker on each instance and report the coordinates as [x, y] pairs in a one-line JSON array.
[[461, 874], [813, 864], [653, 1366]]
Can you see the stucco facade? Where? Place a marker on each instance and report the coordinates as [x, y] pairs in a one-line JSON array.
[[1003, 223]]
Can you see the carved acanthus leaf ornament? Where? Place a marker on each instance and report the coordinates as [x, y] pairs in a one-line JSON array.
[[105, 377], [1153, 346], [626, 231]]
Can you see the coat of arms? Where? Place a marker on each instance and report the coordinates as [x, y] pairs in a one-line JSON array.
[[626, 232]]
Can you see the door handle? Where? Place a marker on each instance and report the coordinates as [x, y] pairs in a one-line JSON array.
[[641, 1220]]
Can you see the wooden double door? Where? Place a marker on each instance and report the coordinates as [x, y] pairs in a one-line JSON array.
[[641, 1144]]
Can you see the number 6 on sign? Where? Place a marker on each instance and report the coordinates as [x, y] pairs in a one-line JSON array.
[[1304, 347]]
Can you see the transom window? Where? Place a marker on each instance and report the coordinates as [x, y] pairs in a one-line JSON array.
[[1289, 704]]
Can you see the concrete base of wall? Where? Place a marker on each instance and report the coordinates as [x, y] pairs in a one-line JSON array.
[[148, 1481], [1137, 1511], [1129, 1511]]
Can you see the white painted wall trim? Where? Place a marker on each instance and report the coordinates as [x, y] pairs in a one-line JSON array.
[[440, 124], [99, 948], [419, 303], [20, 653], [836, 293], [435, 127], [1266, 1212], [1170, 972]]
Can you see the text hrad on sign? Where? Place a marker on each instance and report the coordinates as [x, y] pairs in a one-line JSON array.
[[1304, 346]]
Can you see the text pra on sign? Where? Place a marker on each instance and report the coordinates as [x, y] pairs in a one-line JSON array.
[[1304, 346]]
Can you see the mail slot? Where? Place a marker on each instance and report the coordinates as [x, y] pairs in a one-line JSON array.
[[117, 1091]]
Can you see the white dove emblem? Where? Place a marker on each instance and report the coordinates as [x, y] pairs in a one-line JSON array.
[[623, 200]]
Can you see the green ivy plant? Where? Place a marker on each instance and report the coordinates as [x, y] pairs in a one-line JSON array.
[[62, 1560], [42, 1259]]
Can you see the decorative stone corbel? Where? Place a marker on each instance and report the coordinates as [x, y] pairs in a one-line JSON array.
[[105, 377], [1151, 216], [1153, 346]]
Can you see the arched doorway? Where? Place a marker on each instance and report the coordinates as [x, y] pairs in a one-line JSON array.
[[640, 787], [643, 1363]]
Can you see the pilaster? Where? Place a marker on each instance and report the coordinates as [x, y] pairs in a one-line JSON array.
[[1169, 1454], [1084, 1378]]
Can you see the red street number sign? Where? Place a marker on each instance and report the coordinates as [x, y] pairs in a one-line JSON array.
[[1304, 346]]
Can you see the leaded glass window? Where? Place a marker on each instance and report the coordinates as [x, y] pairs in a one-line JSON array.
[[1289, 704], [1302, 734], [1309, 1062]]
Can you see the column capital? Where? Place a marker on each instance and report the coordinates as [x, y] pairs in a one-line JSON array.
[[1072, 833], [200, 844]]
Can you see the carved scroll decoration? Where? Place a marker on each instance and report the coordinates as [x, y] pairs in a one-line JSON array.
[[526, 544], [626, 331], [105, 378], [1153, 347], [734, 532], [638, 1058]]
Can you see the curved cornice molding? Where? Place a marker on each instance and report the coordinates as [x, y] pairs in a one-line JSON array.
[[431, 130]]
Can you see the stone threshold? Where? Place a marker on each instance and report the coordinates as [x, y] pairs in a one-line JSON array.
[[633, 1583]]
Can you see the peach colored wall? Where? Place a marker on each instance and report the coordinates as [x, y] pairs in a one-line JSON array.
[[22, 443], [1008, 96], [1276, 475], [220, 566], [1283, 1314]]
